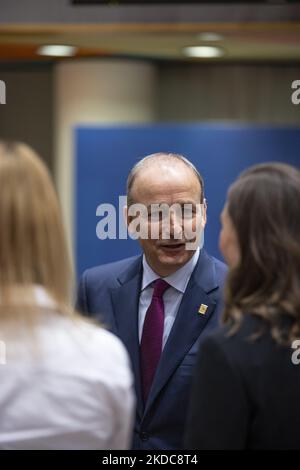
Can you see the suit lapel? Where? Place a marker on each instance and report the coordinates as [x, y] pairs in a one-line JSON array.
[[188, 324], [125, 301]]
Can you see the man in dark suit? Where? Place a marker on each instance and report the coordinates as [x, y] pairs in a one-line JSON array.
[[161, 304]]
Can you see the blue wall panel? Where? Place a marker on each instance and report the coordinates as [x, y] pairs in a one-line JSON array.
[[104, 156]]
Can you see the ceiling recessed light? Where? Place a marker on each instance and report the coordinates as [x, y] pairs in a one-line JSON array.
[[203, 51], [210, 37], [57, 50]]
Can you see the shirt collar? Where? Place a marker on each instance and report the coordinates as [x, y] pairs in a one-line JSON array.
[[178, 280]]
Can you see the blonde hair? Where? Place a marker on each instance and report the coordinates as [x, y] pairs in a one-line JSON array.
[[33, 249]]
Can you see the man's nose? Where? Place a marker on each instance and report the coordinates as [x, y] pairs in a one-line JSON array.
[[176, 230]]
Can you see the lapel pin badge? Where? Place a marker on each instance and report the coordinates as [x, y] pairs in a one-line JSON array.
[[202, 309]]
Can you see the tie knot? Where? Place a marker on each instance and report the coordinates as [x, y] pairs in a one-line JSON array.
[[160, 286]]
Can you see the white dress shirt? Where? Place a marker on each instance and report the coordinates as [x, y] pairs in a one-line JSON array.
[[67, 385], [172, 297]]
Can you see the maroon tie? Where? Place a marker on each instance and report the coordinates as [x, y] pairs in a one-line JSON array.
[[151, 343]]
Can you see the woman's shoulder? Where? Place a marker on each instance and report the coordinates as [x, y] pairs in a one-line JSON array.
[[79, 346], [252, 339], [98, 340], [249, 325]]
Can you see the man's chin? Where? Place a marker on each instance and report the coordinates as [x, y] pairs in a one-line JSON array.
[[177, 255], [180, 248], [174, 249]]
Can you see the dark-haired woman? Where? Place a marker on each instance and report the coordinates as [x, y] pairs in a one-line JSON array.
[[246, 392]]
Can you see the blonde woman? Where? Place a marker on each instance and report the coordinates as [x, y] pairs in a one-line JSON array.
[[65, 383]]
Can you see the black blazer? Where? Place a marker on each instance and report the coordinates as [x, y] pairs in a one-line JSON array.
[[246, 395]]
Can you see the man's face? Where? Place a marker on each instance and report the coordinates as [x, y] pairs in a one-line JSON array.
[[162, 183]]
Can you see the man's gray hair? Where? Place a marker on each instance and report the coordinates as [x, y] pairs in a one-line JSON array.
[[163, 157]]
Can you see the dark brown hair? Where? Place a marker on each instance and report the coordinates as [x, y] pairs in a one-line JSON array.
[[264, 207]]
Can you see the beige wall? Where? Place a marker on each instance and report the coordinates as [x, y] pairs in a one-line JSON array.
[[96, 92]]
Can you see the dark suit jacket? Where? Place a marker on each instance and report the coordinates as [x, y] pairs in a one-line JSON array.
[[111, 293], [246, 395]]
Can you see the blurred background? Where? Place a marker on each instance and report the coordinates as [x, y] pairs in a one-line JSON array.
[[211, 80]]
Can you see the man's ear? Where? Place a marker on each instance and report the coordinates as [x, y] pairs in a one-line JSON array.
[[204, 211], [127, 219]]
